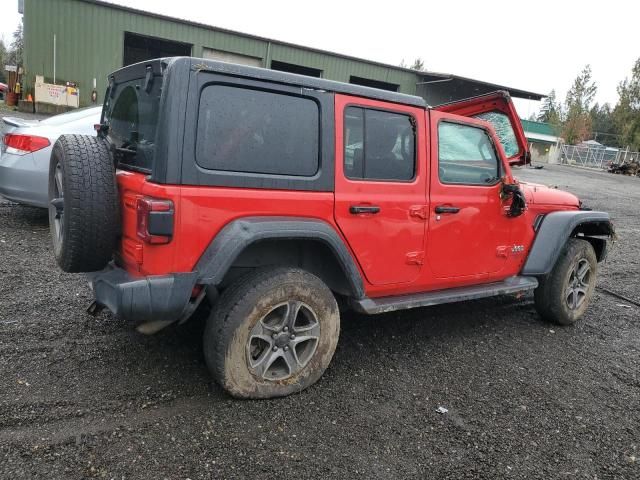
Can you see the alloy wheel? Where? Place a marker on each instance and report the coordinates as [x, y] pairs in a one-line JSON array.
[[578, 285], [283, 341], [57, 205]]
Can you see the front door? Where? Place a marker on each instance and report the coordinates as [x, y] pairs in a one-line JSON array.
[[468, 227], [380, 188]]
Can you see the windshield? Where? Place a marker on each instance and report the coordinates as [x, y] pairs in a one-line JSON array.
[[131, 115], [502, 125]]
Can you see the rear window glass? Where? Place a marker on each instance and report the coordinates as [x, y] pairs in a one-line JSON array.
[[131, 113], [256, 131]]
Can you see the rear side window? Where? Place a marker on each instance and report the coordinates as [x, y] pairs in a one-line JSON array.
[[256, 131], [131, 113], [379, 145], [466, 155]]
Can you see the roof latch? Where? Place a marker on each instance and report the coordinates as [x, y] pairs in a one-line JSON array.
[[148, 79]]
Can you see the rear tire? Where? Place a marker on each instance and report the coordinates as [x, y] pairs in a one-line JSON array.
[[564, 295], [272, 333], [83, 209]]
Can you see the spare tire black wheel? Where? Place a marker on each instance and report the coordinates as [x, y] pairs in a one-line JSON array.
[[83, 203]]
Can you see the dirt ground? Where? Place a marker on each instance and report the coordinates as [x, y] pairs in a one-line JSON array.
[[84, 397]]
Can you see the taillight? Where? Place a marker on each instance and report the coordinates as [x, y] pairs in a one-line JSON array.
[[23, 144], [154, 220]]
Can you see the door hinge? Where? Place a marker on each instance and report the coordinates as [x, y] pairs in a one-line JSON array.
[[415, 258], [419, 211]]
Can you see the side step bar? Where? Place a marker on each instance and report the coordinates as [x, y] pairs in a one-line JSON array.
[[512, 285]]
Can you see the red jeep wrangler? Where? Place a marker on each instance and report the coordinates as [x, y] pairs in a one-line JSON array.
[[270, 198]]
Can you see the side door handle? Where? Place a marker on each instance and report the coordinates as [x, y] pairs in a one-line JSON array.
[[358, 209], [447, 209]]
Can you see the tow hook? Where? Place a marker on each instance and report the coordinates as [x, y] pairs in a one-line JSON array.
[[94, 309]]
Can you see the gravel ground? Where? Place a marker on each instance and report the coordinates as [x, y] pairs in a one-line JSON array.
[[84, 397]]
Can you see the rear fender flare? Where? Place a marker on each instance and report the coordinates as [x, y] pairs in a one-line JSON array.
[[556, 228], [237, 235]]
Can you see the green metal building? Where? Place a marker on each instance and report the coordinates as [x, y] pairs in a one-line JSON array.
[[82, 41], [544, 141]]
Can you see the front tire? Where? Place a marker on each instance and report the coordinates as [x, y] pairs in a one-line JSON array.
[[272, 333], [564, 295]]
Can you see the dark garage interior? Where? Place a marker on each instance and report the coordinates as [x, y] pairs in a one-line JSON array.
[[138, 48]]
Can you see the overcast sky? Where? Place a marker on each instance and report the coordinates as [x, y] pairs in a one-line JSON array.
[[536, 45]]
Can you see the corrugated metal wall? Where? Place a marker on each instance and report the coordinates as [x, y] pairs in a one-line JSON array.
[[90, 44]]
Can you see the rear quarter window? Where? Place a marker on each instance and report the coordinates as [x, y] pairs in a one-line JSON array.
[[257, 131]]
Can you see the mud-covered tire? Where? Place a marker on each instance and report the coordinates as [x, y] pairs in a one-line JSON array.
[[263, 298], [564, 295], [83, 209]]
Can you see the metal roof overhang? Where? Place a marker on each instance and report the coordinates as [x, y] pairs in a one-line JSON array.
[[431, 78]]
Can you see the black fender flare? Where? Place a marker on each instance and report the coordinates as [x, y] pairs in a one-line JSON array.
[[554, 231], [239, 234]]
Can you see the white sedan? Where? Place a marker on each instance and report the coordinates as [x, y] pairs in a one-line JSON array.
[[25, 150]]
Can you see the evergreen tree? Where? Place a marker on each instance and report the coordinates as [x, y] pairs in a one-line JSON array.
[[551, 110], [418, 64], [3, 60], [604, 130], [17, 47], [577, 125], [626, 114]]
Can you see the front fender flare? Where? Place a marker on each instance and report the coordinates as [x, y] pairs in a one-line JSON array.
[[238, 234], [553, 232]]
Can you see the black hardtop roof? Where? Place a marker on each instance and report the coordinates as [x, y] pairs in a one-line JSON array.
[[200, 64]]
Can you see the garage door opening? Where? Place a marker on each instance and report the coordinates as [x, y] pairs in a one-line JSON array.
[[299, 69], [230, 57], [368, 82], [138, 48]]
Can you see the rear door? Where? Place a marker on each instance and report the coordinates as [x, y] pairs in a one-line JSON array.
[[380, 187], [496, 108]]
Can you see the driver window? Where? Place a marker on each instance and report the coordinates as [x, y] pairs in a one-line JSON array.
[[466, 155]]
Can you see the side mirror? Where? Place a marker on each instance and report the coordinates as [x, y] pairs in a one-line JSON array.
[[510, 188], [518, 201]]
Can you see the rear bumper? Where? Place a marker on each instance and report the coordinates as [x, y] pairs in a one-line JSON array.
[[143, 299], [25, 178]]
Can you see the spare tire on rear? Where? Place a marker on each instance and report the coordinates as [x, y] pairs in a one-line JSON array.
[[83, 203]]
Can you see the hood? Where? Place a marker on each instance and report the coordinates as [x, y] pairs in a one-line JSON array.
[[542, 195]]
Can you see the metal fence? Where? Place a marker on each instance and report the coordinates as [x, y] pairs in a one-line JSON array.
[[595, 156]]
